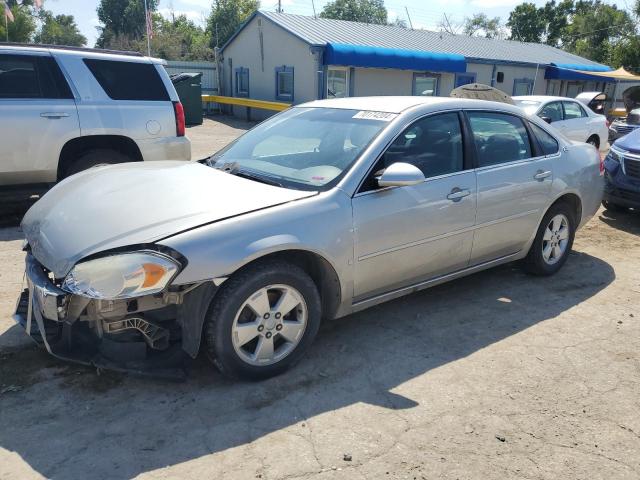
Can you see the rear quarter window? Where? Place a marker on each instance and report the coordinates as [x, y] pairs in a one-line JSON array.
[[128, 80], [548, 144]]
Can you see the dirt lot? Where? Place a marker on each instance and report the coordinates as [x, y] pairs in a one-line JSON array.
[[495, 376]]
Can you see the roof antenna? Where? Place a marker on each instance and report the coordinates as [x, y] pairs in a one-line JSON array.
[[313, 5], [279, 10], [409, 17]]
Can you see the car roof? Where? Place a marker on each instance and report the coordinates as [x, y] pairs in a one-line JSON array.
[[80, 51], [542, 98], [400, 104]]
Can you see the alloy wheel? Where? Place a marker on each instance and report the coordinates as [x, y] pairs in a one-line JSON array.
[[555, 239], [269, 325]]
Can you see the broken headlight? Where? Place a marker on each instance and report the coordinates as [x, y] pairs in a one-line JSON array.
[[121, 276]]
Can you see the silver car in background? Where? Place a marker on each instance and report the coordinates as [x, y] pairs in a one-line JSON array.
[[321, 211]]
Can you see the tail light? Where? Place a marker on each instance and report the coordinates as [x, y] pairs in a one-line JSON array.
[[178, 110], [601, 164]]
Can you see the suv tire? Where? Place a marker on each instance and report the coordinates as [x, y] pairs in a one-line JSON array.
[[286, 334], [96, 158], [553, 242]]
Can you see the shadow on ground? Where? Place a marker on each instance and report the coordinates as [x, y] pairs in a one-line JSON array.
[[118, 427], [627, 221]]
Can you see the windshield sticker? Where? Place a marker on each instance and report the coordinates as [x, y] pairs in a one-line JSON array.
[[370, 115]]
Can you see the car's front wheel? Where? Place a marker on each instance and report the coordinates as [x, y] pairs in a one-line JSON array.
[[553, 241], [262, 321]]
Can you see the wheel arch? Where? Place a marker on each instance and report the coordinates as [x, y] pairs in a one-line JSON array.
[[321, 271], [79, 145], [574, 201]]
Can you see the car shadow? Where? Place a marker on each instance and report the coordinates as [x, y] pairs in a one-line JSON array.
[[118, 427], [627, 221]]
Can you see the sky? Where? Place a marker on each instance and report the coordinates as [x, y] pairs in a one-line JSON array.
[[423, 14]]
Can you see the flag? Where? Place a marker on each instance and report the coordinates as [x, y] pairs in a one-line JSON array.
[[7, 13], [149, 25]]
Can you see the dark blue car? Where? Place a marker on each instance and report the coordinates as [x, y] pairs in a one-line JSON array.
[[622, 174]]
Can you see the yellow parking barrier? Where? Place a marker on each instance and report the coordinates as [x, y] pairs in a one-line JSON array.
[[246, 102]]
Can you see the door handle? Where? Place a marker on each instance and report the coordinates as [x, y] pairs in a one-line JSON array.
[[54, 114], [542, 175], [458, 194]]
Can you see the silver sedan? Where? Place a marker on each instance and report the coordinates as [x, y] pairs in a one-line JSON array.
[[321, 211]]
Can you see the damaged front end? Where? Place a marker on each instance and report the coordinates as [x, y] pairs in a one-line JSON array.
[[150, 334]]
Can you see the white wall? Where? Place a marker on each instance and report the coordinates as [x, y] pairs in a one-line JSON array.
[[280, 48]]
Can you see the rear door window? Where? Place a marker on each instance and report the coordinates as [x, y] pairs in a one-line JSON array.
[[499, 138], [128, 80], [31, 76]]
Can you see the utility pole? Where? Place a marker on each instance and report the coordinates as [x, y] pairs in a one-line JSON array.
[[279, 6], [409, 17], [313, 5], [147, 22]]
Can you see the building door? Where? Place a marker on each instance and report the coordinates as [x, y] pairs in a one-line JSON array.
[[337, 82]]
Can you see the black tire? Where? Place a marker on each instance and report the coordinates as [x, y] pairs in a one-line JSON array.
[[94, 158], [594, 140], [228, 301], [614, 207], [534, 262]]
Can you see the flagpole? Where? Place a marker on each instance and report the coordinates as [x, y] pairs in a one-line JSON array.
[[146, 22]]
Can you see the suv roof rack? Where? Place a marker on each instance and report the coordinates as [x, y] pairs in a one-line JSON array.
[[65, 47]]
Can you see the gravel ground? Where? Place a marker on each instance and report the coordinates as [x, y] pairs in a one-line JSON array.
[[497, 375]]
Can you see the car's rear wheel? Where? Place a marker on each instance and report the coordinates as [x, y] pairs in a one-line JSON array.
[[613, 207], [553, 242], [262, 321], [96, 158]]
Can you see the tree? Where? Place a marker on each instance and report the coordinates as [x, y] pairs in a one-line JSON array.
[[59, 30], [23, 25], [526, 23], [122, 21], [366, 11], [226, 17], [178, 38], [596, 30], [481, 25]]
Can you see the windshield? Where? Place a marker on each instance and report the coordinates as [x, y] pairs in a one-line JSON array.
[[529, 106], [303, 148]]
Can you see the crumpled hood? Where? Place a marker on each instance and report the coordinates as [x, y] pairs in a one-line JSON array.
[[109, 207]]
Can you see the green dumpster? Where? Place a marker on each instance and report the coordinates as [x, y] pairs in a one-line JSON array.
[[189, 88]]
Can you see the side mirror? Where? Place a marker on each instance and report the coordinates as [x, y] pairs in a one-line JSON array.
[[547, 119], [401, 174]]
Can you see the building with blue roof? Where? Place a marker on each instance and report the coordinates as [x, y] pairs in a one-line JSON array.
[[295, 59]]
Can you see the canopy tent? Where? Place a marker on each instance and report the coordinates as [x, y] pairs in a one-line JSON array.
[[597, 73], [381, 57]]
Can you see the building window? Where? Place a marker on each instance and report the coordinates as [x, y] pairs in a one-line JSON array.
[[284, 83], [574, 89], [553, 88], [425, 84], [337, 82], [465, 78], [242, 82], [522, 86]]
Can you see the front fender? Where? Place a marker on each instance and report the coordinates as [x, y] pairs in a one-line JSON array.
[[319, 224]]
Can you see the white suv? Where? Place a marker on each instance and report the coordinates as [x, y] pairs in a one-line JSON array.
[[63, 110]]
